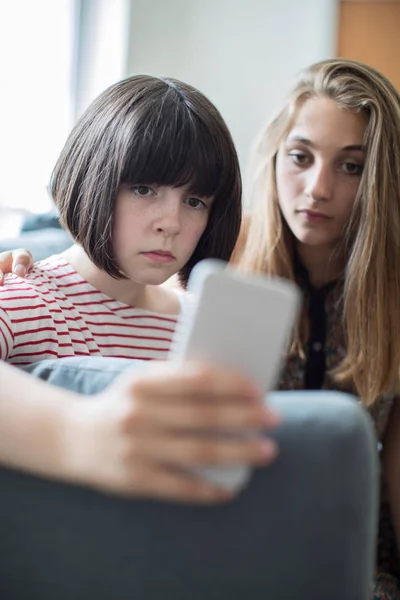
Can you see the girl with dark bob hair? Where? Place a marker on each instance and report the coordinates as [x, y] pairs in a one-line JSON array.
[[148, 184], [148, 130]]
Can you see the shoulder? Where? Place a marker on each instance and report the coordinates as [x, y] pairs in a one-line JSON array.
[[54, 268], [36, 291], [16, 288], [45, 269], [53, 272], [19, 302]]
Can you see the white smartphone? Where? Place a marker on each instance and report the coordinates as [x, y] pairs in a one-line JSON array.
[[239, 321]]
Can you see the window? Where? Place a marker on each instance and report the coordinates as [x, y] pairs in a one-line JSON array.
[[36, 96], [56, 57]]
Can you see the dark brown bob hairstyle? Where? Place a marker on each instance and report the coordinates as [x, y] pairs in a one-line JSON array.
[[147, 130]]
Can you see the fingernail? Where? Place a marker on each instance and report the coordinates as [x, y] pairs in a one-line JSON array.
[[226, 495], [268, 449], [271, 418], [20, 270], [218, 494]]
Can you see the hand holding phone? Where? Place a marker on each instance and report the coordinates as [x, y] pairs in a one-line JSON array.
[[242, 322]]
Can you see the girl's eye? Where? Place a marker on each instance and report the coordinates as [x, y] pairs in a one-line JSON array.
[[299, 158], [196, 203], [142, 190], [352, 168]]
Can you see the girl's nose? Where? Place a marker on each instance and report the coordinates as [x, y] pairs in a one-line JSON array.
[[169, 218], [319, 184]]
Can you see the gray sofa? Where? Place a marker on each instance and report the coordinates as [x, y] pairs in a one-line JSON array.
[[303, 528]]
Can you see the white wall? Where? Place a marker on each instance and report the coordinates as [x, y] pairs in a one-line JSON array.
[[103, 31], [242, 53]]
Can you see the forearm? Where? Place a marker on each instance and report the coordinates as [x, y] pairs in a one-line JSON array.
[[34, 418]]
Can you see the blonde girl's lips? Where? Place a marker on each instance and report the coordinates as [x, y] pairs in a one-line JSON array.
[[313, 216]]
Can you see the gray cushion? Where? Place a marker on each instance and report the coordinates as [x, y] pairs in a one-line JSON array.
[[84, 375], [304, 528]]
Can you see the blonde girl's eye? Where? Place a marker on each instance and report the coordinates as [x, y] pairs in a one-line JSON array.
[[299, 158], [352, 168], [142, 190], [196, 203]]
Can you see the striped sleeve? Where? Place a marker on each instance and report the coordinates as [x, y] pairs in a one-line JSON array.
[[6, 335], [21, 311]]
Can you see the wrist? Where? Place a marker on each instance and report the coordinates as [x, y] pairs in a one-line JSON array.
[[34, 426], [55, 434], [73, 439]]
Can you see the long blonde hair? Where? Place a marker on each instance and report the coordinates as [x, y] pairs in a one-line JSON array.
[[371, 303]]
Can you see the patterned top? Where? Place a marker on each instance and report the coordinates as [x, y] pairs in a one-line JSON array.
[[293, 377], [54, 313], [331, 343]]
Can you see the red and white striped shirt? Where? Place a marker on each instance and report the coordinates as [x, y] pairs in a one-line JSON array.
[[54, 313]]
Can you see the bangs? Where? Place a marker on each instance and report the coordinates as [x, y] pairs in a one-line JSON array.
[[173, 146], [148, 130]]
